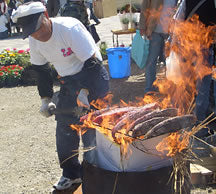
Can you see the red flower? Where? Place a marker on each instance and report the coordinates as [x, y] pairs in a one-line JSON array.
[[13, 66], [21, 51]]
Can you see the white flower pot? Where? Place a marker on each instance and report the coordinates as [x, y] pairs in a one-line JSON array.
[[133, 26], [124, 26]]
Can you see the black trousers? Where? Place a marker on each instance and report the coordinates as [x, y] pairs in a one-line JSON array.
[[93, 77]]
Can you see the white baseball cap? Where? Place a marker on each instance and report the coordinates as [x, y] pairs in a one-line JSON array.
[[29, 17]]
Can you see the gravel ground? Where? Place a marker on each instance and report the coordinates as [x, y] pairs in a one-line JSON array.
[[28, 160]]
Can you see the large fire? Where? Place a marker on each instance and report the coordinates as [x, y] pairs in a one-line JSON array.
[[190, 40], [174, 143]]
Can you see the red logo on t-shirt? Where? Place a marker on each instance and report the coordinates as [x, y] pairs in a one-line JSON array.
[[66, 52]]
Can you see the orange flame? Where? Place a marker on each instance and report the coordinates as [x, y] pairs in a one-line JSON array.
[[214, 72], [105, 128], [190, 40], [174, 143], [102, 102]]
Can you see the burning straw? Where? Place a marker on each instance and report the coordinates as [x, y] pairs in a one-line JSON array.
[[191, 38], [179, 147]]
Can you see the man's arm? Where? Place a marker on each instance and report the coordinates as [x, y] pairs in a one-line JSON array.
[[143, 15], [45, 88], [44, 80]]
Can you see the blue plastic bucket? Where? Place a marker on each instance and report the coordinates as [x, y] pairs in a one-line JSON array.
[[119, 62]]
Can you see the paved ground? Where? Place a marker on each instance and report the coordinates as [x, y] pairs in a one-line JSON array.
[[103, 29]]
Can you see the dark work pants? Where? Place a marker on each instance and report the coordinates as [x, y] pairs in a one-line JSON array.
[[155, 50], [67, 141], [93, 77]]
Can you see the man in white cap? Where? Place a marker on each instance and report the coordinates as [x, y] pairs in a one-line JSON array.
[[65, 43]]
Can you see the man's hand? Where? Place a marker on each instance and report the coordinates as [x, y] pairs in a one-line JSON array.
[[46, 106], [82, 98], [142, 32], [146, 33]]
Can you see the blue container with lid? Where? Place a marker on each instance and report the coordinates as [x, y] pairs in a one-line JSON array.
[[119, 61]]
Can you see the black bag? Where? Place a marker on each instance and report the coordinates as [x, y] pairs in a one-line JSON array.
[[94, 33]]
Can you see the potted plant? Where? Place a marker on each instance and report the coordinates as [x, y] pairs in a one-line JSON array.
[[103, 46], [125, 21], [133, 22], [126, 9]]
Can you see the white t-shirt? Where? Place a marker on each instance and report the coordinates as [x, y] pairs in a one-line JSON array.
[[68, 48], [3, 22]]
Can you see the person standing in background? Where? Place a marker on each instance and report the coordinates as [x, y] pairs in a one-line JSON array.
[[11, 6], [76, 9], [5, 11], [53, 7], [3, 6], [3, 28], [89, 4], [206, 10], [154, 21]]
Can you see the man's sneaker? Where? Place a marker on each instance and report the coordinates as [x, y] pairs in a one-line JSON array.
[[65, 183]]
